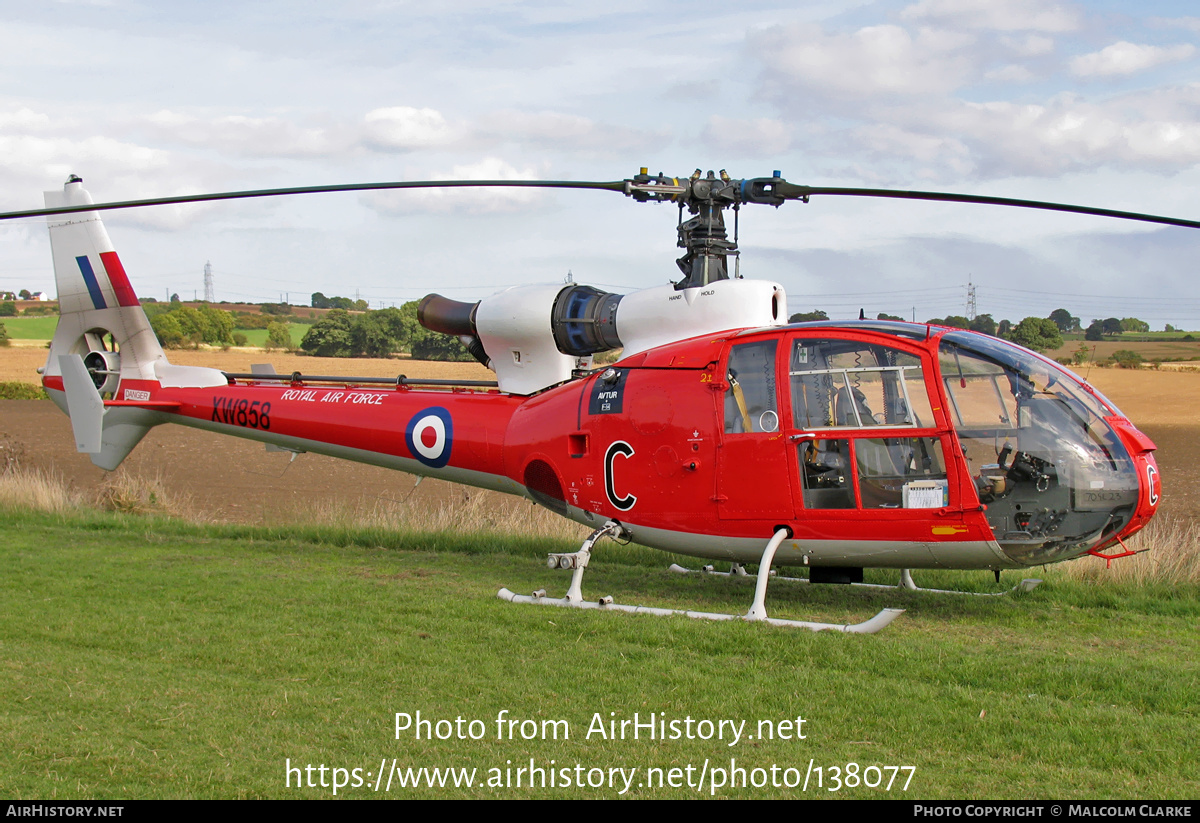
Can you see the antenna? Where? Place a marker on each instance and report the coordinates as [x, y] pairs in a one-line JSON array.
[[970, 299], [210, 295]]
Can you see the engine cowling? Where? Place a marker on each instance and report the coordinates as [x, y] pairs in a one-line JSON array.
[[534, 335]]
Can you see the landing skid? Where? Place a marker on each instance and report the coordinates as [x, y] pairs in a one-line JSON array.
[[578, 561], [906, 581]]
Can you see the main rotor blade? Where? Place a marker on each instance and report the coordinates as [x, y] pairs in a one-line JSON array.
[[781, 189], [796, 192], [618, 186]]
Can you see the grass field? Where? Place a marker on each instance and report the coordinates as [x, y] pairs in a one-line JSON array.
[[257, 337], [146, 656], [152, 658], [1150, 350], [42, 328], [30, 328]]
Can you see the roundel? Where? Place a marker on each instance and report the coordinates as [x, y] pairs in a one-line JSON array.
[[429, 436]]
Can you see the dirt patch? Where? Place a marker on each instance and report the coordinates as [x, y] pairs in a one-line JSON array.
[[1149, 397], [21, 362]]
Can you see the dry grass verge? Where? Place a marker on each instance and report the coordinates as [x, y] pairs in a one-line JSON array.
[[475, 512], [1169, 548], [129, 493], [35, 490], [1169, 554]]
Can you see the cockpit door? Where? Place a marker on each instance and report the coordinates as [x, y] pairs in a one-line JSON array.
[[872, 458]]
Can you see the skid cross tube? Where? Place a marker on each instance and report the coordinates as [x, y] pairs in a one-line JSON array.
[[906, 581], [758, 613]]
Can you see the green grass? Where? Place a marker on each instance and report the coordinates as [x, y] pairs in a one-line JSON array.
[[21, 391], [30, 328], [257, 337], [148, 657], [42, 328]]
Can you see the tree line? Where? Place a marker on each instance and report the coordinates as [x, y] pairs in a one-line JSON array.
[[339, 333], [1037, 333], [380, 333]]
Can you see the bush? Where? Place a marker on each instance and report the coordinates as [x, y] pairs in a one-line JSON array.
[[4, 341], [330, 337], [240, 339], [8, 309], [1126, 359], [21, 391], [168, 330], [440, 347], [1036, 333], [248, 320], [278, 338]]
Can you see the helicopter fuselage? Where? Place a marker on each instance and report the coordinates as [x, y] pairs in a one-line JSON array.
[[874, 444]]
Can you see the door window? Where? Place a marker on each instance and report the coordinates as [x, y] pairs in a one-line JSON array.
[[849, 383], [750, 404]]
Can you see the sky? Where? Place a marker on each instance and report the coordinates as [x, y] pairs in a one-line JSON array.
[[1095, 104]]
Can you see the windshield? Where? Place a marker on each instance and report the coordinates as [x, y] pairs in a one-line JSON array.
[[1053, 474]]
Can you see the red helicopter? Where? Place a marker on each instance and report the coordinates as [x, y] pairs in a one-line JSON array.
[[722, 433]]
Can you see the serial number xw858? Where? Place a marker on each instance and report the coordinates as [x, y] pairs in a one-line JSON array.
[[241, 412]]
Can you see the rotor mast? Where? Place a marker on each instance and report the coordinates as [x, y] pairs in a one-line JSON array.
[[703, 237]]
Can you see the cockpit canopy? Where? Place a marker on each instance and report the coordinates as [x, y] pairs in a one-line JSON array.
[[877, 408]]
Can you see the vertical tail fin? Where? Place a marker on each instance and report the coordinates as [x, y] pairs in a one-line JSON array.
[[97, 303], [103, 341]]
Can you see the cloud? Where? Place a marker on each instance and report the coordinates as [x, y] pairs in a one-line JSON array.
[[997, 15], [1031, 45], [403, 128], [890, 102], [24, 121], [872, 61], [468, 200], [56, 157], [1011, 73], [1190, 23], [759, 137], [1069, 133], [885, 139], [1127, 58], [565, 132], [246, 136], [400, 129], [114, 169]]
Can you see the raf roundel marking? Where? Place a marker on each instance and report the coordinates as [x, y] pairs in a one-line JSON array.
[[429, 436]]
